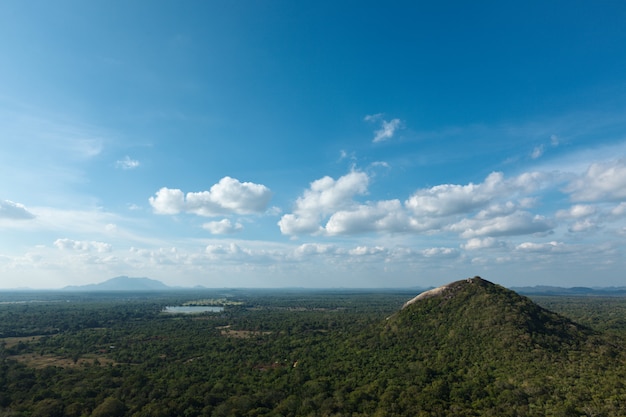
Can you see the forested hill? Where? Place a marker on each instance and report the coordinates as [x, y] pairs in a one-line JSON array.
[[477, 312], [480, 349]]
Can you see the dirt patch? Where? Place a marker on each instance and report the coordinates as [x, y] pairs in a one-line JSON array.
[[242, 334], [33, 360], [9, 342]]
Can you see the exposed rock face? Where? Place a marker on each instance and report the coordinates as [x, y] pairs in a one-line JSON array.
[[440, 291], [474, 313]]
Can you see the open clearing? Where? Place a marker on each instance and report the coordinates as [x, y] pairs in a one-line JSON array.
[[9, 342], [33, 360]]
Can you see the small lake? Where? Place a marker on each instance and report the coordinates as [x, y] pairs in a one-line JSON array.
[[193, 309]]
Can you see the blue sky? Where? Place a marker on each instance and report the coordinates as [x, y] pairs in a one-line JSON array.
[[314, 144]]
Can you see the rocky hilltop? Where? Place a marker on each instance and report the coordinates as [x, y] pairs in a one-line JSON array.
[[472, 347], [475, 311], [442, 290]]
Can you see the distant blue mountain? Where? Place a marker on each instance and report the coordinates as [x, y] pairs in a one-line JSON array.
[[548, 290], [122, 283]]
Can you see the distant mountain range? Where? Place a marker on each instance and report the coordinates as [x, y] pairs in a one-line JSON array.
[[125, 283], [549, 290], [122, 283]]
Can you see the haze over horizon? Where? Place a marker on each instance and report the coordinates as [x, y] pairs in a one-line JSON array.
[[330, 144]]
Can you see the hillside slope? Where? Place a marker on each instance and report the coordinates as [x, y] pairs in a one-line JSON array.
[[477, 312], [475, 348]]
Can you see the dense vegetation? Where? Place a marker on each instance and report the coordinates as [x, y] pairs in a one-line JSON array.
[[477, 350]]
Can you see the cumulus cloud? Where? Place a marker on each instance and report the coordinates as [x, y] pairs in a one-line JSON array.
[[485, 243], [518, 223], [14, 211], [387, 128], [602, 182], [503, 209], [576, 211], [367, 251], [241, 255], [323, 197], [168, 201], [583, 226], [386, 216], [227, 196], [495, 207], [541, 247], [222, 227], [440, 252], [311, 249], [127, 163], [450, 199], [294, 224], [222, 251], [82, 245], [580, 213]]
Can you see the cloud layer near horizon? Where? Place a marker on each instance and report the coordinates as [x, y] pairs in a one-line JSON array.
[[499, 220]]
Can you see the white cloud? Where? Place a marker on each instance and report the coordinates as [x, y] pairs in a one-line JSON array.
[[605, 181], [387, 128], [518, 223], [168, 201], [537, 152], [367, 251], [223, 251], [619, 210], [329, 208], [311, 249], [323, 197], [82, 245], [373, 117], [222, 227], [554, 140], [343, 155], [440, 253], [576, 211], [478, 243], [383, 164], [227, 196], [293, 224], [14, 211], [580, 213], [498, 210], [450, 199], [583, 226], [541, 247], [385, 216], [127, 163]]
